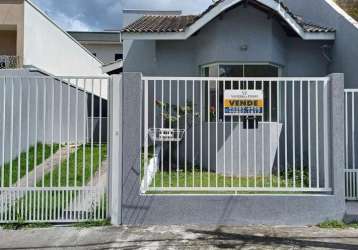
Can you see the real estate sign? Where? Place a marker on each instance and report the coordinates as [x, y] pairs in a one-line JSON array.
[[243, 102]]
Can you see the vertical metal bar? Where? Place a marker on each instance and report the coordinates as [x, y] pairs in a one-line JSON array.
[[301, 133], [186, 134], [193, 126], [309, 137], [146, 140], [239, 156], [154, 126], [11, 130], [60, 134], [317, 139], [92, 131], [178, 121], [170, 126], [346, 127], [201, 133], [286, 125], [353, 131], [162, 126], [3, 138], [278, 133], [85, 120], [19, 134], [325, 132], [293, 135], [68, 140], [17, 201], [216, 132], [52, 131], [27, 146], [209, 121], [255, 151], [102, 194], [232, 143], [43, 146], [262, 141], [270, 117], [247, 144], [224, 132], [76, 134]]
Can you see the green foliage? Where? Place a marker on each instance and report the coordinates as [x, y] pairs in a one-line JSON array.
[[173, 114], [92, 223], [43, 152], [297, 175], [334, 224]]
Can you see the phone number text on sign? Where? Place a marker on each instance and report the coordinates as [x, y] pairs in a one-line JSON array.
[[243, 102]]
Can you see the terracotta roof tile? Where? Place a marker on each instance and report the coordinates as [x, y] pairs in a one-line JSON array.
[[154, 24]]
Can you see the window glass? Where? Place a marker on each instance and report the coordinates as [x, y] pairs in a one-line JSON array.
[[118, 57], [231, 71], [240, 70], [261, 71]]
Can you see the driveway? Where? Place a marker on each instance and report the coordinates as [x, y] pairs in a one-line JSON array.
[[180, 237]]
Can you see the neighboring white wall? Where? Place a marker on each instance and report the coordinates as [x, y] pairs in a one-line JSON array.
[[105, 52], [51, 49]]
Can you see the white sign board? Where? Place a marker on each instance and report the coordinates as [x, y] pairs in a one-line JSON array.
[[243, 102]]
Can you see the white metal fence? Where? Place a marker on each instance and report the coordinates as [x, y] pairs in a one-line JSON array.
[[351, 166], [194, 141], [53, 164]]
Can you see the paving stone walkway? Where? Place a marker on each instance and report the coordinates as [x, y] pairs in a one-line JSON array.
[[180, 237]]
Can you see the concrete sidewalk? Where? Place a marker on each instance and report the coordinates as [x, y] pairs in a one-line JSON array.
[[180, 237]]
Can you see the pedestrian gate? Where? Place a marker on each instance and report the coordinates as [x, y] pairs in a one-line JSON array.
[[53, 148]]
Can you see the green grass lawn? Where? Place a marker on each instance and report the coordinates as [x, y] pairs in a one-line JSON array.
[[193, 178], [80, 176], [205, 179], [57, 201], [22, 159]]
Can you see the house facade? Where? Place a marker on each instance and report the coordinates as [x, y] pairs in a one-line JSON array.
[[190, 69]]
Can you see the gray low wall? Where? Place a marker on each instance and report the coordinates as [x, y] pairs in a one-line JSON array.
[[134, 208]]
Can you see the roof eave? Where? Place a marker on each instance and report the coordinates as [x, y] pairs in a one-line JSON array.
[[216, 11], [184, 36]]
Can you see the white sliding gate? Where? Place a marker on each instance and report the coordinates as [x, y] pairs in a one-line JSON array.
[[351, 165], [276, 140], [53, 148]]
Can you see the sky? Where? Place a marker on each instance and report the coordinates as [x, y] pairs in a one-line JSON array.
[[94, 15]]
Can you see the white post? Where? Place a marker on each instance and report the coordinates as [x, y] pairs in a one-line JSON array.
[[115, 156]]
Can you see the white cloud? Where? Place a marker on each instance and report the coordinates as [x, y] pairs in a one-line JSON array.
[[71, 23], [105, 14]]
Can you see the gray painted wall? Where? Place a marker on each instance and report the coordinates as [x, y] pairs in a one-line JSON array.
[[40, 128], [345, 49], [221, 40]]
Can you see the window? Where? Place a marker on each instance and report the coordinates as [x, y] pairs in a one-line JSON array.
[[118, 57], [241, 70]]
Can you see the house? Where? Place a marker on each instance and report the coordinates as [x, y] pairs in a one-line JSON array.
[[24, 45], [105, 45], [238, 100]]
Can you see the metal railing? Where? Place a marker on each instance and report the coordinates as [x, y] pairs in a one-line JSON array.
[[9, 62], [351, 166], [52, 167], [234, 135]]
